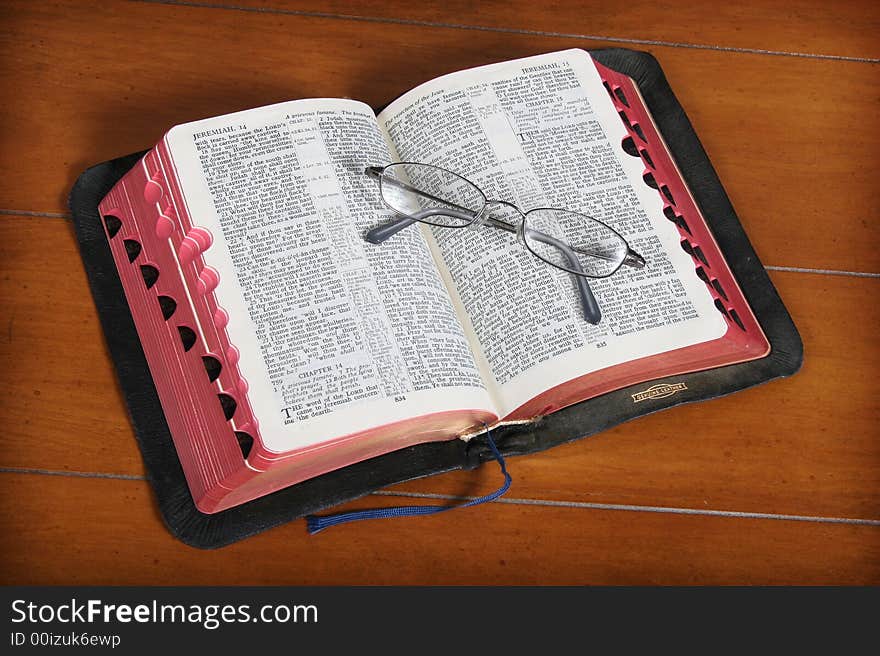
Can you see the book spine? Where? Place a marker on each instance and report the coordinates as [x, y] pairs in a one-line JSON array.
[[643, 140], [158, 251]]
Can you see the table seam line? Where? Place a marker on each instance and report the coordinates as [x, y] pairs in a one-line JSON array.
[[736, 514], [506, 30]]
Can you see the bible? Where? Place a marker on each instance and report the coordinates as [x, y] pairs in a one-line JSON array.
[[285, 343]]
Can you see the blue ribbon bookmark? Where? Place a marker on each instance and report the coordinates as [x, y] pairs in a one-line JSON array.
[[316, 523]]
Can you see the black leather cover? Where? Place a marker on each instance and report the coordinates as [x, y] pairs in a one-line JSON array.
[[208, 531]]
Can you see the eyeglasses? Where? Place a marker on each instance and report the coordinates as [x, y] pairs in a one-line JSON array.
[[573, 242]]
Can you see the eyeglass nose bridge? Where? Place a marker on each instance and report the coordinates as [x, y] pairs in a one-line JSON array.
[[485, 217], [480, 219]]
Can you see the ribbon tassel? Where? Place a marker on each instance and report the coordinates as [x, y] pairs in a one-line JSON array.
[[316, 523]]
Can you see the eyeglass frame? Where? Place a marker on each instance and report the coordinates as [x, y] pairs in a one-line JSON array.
[[379, 234]]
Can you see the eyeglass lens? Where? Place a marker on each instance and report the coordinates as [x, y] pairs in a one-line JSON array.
[[574, 242], [431, 195]]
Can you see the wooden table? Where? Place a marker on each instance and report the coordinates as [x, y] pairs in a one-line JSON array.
[[777, 484]]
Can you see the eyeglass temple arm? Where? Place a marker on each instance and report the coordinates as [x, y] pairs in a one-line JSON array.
[[589, 304]]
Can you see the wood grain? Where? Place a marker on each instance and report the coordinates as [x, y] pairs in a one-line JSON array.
[[802, 26], [58, 385], [768, 123], [110, 534], [63, 410]]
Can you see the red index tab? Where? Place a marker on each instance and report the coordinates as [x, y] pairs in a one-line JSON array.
[[152, 189], [188, 250], [196, 241], [208, 280], [165, 223], [202, 236]]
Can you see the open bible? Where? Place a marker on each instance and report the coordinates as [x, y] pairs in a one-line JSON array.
[[284, 345]]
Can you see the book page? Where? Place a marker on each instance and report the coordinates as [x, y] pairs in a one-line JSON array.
[[336, 335], [541, 132]]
